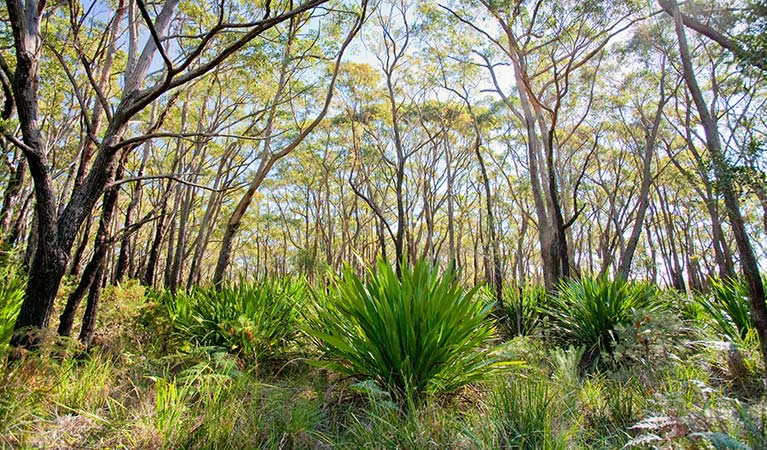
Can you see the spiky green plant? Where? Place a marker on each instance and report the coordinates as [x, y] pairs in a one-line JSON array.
[[11, 296], [729, 308], [256, 321], [586, 311], [523, 308], [414, 334]]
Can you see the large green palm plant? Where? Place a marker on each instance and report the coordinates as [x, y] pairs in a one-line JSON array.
[[729, 308], [257, 321], [587, 311], [415, 334]]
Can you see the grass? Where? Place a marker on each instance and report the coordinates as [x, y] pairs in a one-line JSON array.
[[144, 387], [525, 415]]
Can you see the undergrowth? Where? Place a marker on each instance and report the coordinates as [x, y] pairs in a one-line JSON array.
[[146, 385]]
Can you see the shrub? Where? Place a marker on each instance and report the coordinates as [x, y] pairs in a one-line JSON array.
[[417, 334], [586, 312], [256, 321], [729, 308], [523, 309]]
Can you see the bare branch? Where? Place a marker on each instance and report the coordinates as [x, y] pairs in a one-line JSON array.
[[173, 177]]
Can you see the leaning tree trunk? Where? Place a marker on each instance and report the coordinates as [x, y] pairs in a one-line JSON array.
[[94, 270], [723, 173], [49, 260], [269, 158]]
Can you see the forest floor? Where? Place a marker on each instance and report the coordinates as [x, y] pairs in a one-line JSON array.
[[670, 384]]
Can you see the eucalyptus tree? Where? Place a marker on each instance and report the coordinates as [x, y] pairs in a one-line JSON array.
[[649, 122], [546, 44], [746, 43], [211, 37], [723, 172], [295, 57], [396, 138], [361, 111]]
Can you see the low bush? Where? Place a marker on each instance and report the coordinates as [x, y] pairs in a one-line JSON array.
[[414, 334], [586, 312], [728, 307], [255, 321], [523, 309]]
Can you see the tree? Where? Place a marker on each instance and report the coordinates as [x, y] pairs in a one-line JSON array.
[[196, 56], [544, 70], [269, 154], [723, 172]]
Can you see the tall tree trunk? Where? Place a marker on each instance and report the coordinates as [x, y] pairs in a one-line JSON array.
[[163, 221], [49, 260], [11, 198], [88, 327], [75, 264], [451, 252], [170, 252], [399, 239], [497, 278], [547, 234], [723, 173], [671, 255], [121, 267], [95, 267], [203, 237], [651, 134]]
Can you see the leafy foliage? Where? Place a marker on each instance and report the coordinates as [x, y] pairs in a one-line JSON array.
[[11, 296], [257, 321], [417, 334], [586, 312], [523, 309], [729, 308]]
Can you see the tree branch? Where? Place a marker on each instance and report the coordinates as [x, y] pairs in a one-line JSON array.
[[730, 44], [173, 177]]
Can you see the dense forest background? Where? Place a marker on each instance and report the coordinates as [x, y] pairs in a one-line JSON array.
[[186, 144], [523, 142]]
